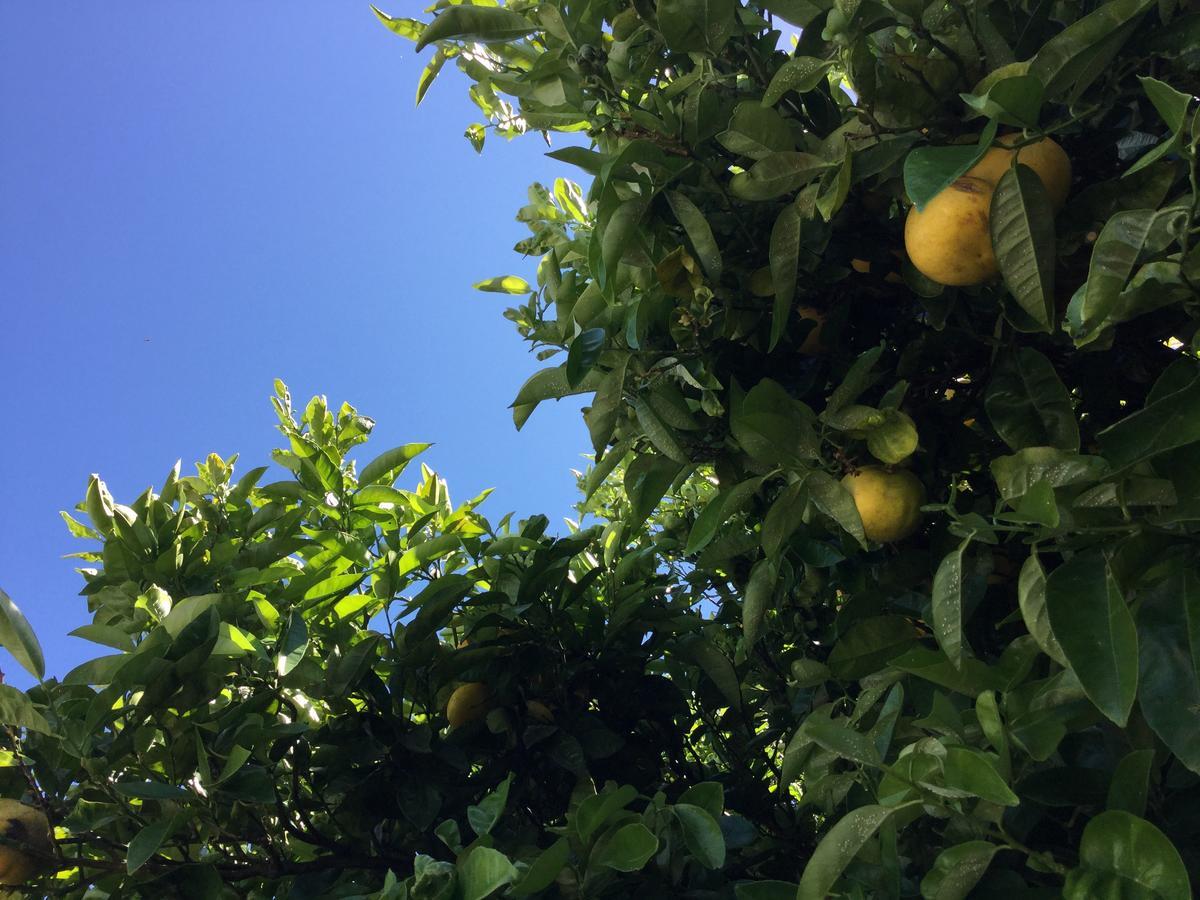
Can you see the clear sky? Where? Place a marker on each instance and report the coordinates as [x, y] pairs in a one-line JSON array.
[[196, 199]]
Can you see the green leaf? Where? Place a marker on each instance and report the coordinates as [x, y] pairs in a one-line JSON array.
[[584, 351], [969, 770], [708, 253], [1130, 785], [1172, 105], [957, 870], [1014, 101], [718, 511], [971, 680], [784, 259], [485, 24], [17, 710], [1028, 404], [715, 664], [238, 755], [542, 872], [835, 501], [1168, 682], [1096, 305], [1031, 595], [1170, 419], [433, 879], [702, 835], [628, 848], [777, 174], [504, 284], [773, 426], [782, 519], [1022, 227], [662, 437], [708, 795], [618, 232], [1096, 632], [77, 528], [929, 170], [759, 591], [596, 810], [646, 481], [839, 847], [292, 646], [948, 603], [607, 404], [835, 187], [837, 736], [695, 25], [99, 506], [798, 12], [1069, 62], [17, 637], [800, 74], [387, 466], [344, 675], [434, 605], [108, 635], [1122, 855], [1016, 474], [987, 711], [857, 379], [406, 28], [549, 384], [430, 73], [483, 816], [756, 131], [484, 870], [147, 842], [869, 644]]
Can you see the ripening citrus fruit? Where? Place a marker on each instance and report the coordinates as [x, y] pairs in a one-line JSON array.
[[889, 503], [949, 240], [469, 703], [19, 822], [1045, 157]]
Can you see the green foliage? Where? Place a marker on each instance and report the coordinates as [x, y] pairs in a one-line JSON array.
[[715, 685]]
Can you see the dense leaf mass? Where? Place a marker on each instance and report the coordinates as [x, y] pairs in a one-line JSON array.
[[717, 684]]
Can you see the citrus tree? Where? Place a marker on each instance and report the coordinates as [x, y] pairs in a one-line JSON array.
[[885, 580]]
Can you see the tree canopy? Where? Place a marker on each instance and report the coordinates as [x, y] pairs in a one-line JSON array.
[[884, 581]]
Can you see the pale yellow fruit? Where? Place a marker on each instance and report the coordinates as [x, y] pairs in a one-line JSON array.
[[889, 503], [539, 711], [1045, 157], [469, 703], [949, 241], [19, 822]]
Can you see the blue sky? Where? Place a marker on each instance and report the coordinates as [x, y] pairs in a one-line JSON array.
[[197, 200]]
